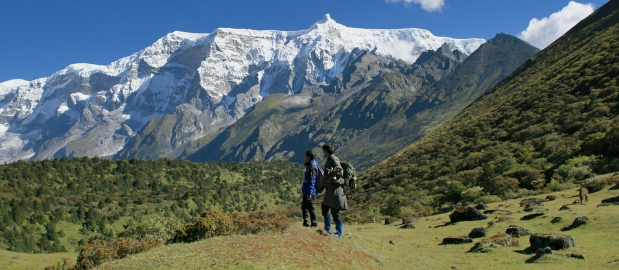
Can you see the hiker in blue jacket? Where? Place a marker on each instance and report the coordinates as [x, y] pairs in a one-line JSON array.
[[308, 206]]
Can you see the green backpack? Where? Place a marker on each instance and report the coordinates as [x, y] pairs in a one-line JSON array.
[[349, 175]]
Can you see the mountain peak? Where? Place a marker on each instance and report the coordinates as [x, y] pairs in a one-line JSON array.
[[327, 22]]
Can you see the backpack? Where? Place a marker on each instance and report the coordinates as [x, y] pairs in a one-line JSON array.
[[349, 175], [319, 177]]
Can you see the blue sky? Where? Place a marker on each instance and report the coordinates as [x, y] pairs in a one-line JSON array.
[[39, 37]]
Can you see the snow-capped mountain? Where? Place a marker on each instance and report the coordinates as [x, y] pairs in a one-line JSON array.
[[212, 79]]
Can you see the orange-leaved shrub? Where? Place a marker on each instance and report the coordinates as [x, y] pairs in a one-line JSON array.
[[97, 252], [216, 223]]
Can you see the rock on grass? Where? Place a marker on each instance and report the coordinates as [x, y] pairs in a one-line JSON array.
[[495, 241], [554, 241]]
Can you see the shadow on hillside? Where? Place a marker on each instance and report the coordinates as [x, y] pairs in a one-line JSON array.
[[526, 251], [615, 187]]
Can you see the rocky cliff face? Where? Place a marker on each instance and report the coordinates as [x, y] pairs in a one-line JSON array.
[[184, 87]]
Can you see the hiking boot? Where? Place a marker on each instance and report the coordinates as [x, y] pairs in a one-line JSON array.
[[314, 226], [339, 227], [305, 225]]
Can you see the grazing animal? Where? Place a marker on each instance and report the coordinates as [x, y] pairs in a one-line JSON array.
[[584, 194]]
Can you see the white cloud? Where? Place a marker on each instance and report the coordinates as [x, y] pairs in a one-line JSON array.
[[541, 33], [428, 5]]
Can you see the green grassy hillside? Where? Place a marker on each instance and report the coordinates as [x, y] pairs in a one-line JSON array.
[[366, 246], [549, 125]]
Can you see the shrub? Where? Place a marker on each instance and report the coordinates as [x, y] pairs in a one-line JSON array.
[[503, 185], [488, 199], [156, 227], [259, 222], [97, 251], [571, 172], [210, 224], [216, 223], [472, 194]]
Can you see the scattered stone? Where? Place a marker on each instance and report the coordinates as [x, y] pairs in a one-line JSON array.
[[581, 220], [391, 242], [323, 232], [532, 216], [478, 233], [517, 231], [611, 200], [490, 224], [466, 213], [456, 240], [389, 220], [551, 198], [615, 261], [407, 226], [577, 256], [576, 202], [556, 220], [532, 202], [565, 207], [481, 206], [531, 208], [543, 251], [495, 241], [454, 267], [554, 241]]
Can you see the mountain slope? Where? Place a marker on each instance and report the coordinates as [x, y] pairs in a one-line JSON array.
[[397, 106], [196, 83], [548, 124]]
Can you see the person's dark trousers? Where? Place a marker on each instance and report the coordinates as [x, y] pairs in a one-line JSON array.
[[337, 216], [308, 207]]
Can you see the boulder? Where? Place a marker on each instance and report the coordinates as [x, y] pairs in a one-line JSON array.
[[532, 207], [551, 198], [481, 206], [532, 202], [407, 220], [495, 241], [446, 209], [565, 207], [554, 241], [389, 220], [478, 233], [503, 219], [556, 220], [581, 220], [517, 231], [456, 240], [466, 213]]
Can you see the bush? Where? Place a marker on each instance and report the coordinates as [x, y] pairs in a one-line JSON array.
[[472, 194], [216, 223], [571, 172], [98, 251], [210, 224], [156, 227], [259, 222]]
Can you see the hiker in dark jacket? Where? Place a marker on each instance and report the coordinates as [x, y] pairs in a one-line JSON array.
[[308, 206], [335, 199]]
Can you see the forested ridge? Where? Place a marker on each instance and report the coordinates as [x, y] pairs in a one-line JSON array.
[[94, 194], [550, 125]]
